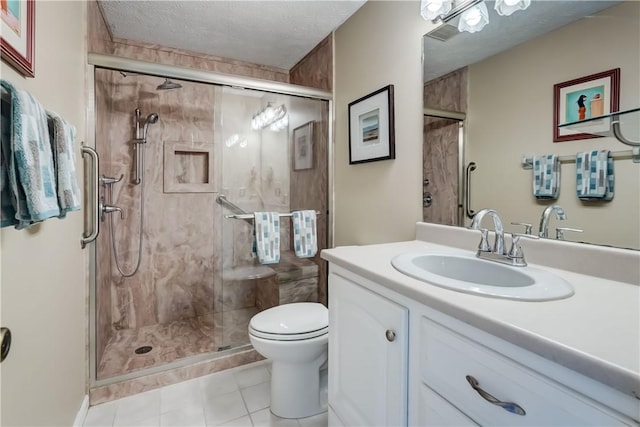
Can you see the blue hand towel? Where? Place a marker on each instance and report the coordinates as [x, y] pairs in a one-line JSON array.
[[546, 176], [266, 226], [62, 136], [594, 175], [7, 203], [304, 233], [30, 162]]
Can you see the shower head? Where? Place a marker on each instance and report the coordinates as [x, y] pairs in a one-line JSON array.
[[168, 84], [151, 119]]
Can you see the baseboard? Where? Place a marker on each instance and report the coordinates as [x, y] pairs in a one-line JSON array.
[[82, 412]]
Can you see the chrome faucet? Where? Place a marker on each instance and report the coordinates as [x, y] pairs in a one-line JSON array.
[[515, 256], [498, 247], [544, 220]]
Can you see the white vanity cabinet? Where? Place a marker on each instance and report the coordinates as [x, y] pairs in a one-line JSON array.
[[421, 377], [368, 348]]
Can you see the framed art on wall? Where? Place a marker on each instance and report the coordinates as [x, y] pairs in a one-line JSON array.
[[17, 40], [371, 127], [582, 99], [303, 147]]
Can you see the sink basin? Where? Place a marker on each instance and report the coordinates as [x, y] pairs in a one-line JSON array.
[[481, 277]]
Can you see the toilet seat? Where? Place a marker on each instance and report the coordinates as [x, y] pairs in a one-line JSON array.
[[291, 322]]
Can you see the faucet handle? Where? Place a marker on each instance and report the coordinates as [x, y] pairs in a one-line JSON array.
[[527, 227], [484, 245], [516, 251], [560, 231]]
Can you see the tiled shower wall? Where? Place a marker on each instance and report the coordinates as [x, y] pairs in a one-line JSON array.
[[440, 146]]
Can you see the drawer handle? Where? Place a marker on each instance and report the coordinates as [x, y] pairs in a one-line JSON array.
[[514, 408]]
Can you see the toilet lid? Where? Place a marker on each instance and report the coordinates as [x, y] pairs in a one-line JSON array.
[[301, 320]]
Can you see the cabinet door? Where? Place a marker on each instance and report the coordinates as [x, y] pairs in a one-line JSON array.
[[367, 355]]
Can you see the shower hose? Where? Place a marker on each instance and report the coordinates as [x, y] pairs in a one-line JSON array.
[[113, 240]]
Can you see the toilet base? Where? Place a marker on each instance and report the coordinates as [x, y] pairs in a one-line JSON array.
[[295, 388]]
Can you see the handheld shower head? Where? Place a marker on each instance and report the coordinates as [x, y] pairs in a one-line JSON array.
[[151, 119]]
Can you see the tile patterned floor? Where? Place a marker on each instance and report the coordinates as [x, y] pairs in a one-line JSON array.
[[236, 397]]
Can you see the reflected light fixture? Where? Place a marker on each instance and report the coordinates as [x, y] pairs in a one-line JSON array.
[[433, 9], [471, 15], [507, 7], [275, 118], [474, 19]]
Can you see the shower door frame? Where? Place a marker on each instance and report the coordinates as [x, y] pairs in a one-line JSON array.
[[116, 63]]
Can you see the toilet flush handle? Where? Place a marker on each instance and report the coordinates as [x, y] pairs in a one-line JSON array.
[[391, 335]]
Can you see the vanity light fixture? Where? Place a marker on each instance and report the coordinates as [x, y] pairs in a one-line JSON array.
[[474, 19], [272, 117], [467, 15], [507, 7], [434, 9]]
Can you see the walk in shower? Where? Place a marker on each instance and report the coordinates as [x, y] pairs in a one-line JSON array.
[[178, 157]]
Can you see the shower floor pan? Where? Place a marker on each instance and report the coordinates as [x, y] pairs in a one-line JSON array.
[[173, 341]]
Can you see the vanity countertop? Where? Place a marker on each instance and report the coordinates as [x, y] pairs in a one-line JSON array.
[[595, 332]]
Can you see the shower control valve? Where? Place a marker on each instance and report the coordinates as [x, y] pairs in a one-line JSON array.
[[109, 209], [108, 180]]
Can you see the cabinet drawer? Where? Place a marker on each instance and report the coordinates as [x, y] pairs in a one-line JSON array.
[[435, 411], [447, 358]]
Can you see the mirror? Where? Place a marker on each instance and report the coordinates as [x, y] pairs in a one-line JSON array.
[[499, 84]]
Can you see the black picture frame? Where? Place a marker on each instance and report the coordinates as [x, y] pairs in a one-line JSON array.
[[372, 128]]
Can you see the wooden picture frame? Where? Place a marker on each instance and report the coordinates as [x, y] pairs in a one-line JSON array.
[[303, 147], [18, 38], [371, 127], [582, 99]]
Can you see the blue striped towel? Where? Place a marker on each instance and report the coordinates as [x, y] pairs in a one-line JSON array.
[[546, 176], [30, 168], [266, 228], [62, 136], [304, 233], [594, 175]]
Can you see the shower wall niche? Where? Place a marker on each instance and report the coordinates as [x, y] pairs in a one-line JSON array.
[[197, 285]]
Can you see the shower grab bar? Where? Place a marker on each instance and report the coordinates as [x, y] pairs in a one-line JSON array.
[[222, 200], [470, 168], [251, 216], [88, 237]]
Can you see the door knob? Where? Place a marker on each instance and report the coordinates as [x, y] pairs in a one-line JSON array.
[[5, 343]]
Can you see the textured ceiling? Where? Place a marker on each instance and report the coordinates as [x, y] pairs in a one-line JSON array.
[[274, 33], [503, 32]]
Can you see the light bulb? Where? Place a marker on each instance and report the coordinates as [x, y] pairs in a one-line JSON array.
[[474, 19], [434, 9], [507, 7]]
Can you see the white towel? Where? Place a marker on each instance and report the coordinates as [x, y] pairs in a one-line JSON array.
[[305, 239], [62, 136], [266, 228]]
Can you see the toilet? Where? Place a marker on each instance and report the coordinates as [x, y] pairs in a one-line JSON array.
[[294, 337]]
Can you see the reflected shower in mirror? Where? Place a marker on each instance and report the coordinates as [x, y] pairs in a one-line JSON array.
[[501, 80]]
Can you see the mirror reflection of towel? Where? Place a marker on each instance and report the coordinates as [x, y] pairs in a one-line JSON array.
[[594, 175], [546, 176]]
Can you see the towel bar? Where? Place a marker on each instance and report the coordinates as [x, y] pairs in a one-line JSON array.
[[250, 216], [634, 154]]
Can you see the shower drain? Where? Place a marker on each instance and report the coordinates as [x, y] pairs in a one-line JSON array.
[[143, 350]]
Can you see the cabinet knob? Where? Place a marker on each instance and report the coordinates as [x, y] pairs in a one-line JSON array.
[[5, 343], [391, 336]]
